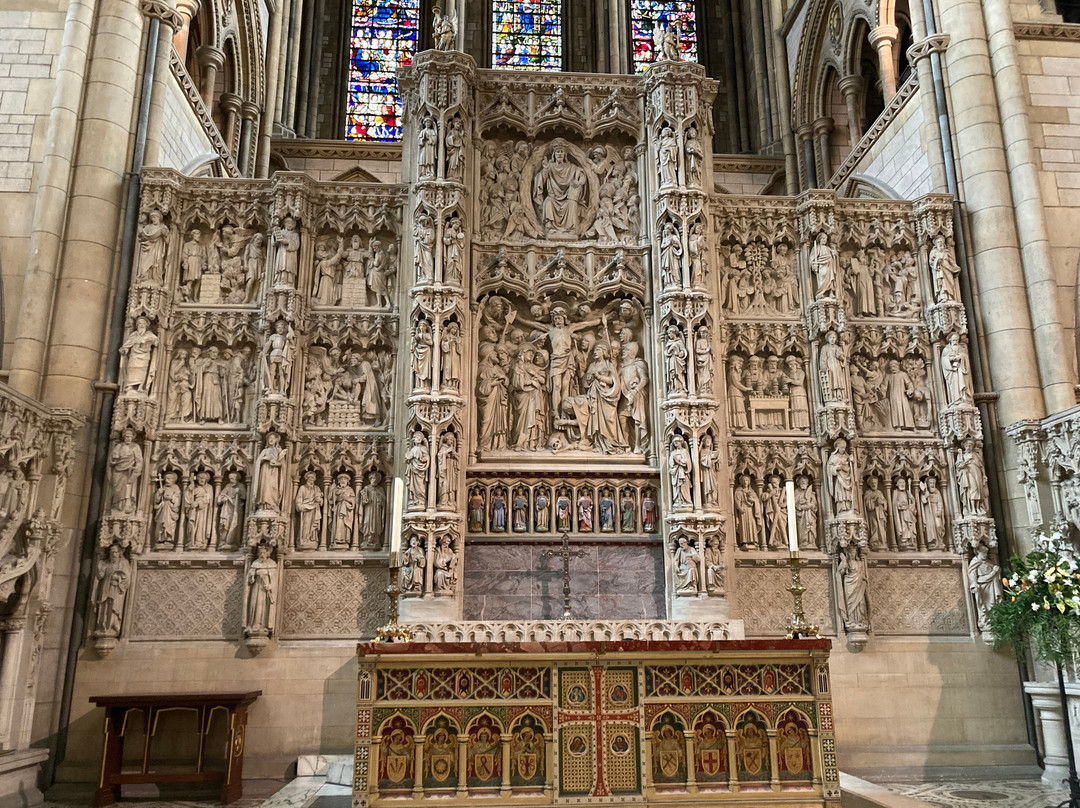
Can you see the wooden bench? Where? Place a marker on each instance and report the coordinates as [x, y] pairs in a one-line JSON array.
[[151, 707]]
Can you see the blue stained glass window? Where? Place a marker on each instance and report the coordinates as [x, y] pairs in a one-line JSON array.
[[384, 34], [646, 15], [527, 35]]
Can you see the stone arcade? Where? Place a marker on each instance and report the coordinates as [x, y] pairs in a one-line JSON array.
[[821, 242]]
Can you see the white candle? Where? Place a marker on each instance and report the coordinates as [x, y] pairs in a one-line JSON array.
[[395, 526], [792, 528]]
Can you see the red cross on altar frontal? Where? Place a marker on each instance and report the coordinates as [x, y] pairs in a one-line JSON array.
[[606, 723]]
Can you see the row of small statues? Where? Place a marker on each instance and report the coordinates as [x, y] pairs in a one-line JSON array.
[[575, 511], [444, 568]]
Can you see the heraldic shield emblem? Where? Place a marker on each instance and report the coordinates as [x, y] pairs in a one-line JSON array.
[[485, 766], [397, 766]]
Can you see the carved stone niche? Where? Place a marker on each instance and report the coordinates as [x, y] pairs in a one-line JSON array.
[[759, 278], [561, 377], [261, 585], [626, 506], [355, 269], [112, 579], [767, 391], [891, 387], [222, 265], [346, 386], [556, 191], [210, 384]]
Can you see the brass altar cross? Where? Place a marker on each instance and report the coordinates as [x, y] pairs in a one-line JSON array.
[[565, 553]]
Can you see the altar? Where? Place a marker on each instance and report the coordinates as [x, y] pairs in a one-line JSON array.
[[551, 721]]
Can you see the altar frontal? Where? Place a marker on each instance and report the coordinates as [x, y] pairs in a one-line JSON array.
[[655, 722]]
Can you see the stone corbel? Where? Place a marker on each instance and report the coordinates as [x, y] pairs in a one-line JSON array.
[[924, 47], [161, 10]]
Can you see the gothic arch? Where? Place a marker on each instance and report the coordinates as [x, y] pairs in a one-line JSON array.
[[356, 174]]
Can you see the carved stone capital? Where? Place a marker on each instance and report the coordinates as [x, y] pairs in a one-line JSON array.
[[946, 319], [230, 103], [210, 57], [960, 422], [924, 47], [843, 530], [127, 531], [884, 35], [850, 85], [161, 10], [835, 420]]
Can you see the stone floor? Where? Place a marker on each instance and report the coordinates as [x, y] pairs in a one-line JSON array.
[[984, 794]]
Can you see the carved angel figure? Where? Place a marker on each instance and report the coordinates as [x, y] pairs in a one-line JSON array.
[[444, 28], [666, 41]]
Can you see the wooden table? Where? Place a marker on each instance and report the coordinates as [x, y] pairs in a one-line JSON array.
[[151, 705]]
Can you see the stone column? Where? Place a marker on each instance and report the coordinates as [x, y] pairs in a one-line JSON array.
[[293, 66], [273, 59], [884, 38], [170, 21], [930, 134], [851, 87], [249, 114], [230, 104], [211, 60], [806, 140], [439, 87], [822, 129], [685, 310], [187, 9]]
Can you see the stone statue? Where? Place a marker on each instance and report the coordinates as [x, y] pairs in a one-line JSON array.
[[862, 285], [956, 370], [559, 192], [679, 465], [308, 503], [427, 147], [834, 369], [444, 567], [825, 264], [703, 361], [417, 462], [697, 250], [933, 513], [355, 277], [520, 511], [209, 390], [563, 514], [167, 512], [287, 254], [695, 155], [372, 513], [424, 233], [710, 471], [261, 593], [749, 517], [670, 257], [455, 149], [194, 261], [666, 42], [715, 567], [806, 513], [254, 257], [794, 379], [198, 512], [684, 566], [945, 271], [277, 359], [422, 344], [635, 385], [667, 151], [899, 392], [180, 402], [230, 502], [627, 512], [381, 272], [453, 244], [875, 507], [125, 471], [270, 469], [450, 364], [137, 359], [853, 576], [239, 376], [905, 519], [342, 513], [984, 581], [412, 567], [110, 591], [775, 505], [445, 29], [327, 291], [971, 480], [153, 241], [675, 355], [491, 398], [447, 471], [736, 393], [841, 471]]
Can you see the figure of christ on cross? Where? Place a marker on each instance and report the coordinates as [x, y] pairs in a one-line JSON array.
[[612, 725], [560, 334], [565, 553]]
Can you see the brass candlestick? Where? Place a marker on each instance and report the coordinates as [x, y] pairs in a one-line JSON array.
[[798, 628], [393, 631]]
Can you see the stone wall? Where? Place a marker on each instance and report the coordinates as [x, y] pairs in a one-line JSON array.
[[898, 157], [183, 140]]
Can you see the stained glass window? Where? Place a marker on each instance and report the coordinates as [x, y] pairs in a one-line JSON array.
[[527, 35], [647, 15], [384, 36]]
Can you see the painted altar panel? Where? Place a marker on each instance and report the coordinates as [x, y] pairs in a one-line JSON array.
[[585, 723]]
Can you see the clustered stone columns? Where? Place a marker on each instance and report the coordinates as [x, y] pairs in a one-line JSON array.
[[437, 162], [884, 39], [249, 123], [822, 129], [679, 104], [851, 88]]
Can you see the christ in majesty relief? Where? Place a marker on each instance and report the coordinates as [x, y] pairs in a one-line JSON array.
[[559, 191]]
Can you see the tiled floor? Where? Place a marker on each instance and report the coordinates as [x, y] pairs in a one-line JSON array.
[[985, 794]]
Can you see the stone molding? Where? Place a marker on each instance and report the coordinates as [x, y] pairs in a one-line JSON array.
[[574, 631], [335, 149], [1046, 30]]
